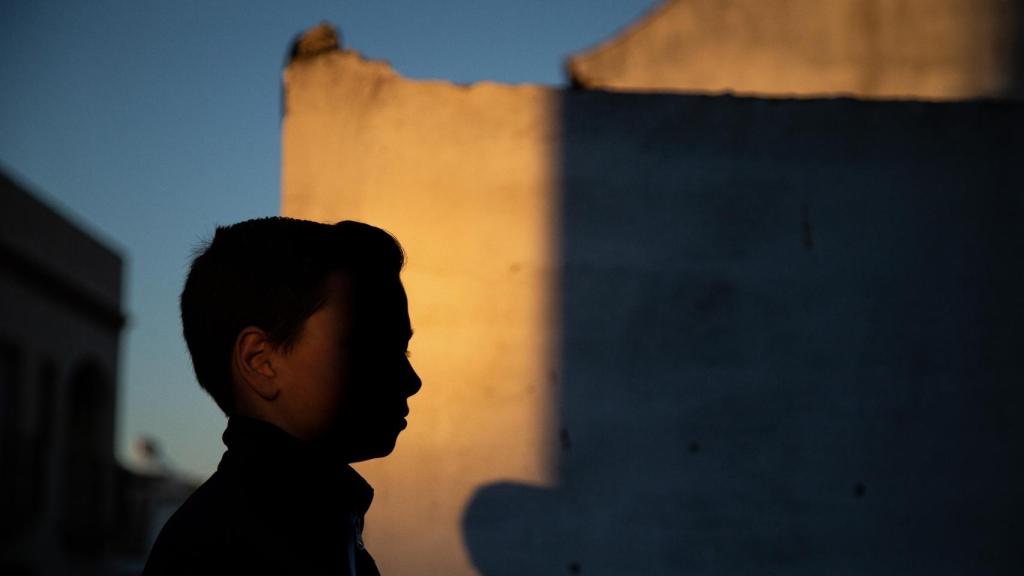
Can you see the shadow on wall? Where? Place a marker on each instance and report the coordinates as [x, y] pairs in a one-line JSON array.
[[789, 336]]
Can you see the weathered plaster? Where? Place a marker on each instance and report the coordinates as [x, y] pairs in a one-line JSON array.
[[462, 176], [921, 49], [666, 334]]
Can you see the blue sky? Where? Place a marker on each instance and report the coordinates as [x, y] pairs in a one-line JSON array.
[[148, 123]]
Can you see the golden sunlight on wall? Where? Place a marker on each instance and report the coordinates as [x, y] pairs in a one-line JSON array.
[[461, 176], [925, 49]]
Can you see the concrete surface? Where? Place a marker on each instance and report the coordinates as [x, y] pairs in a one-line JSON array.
[[917, 49], [462, 176], [666, 334]]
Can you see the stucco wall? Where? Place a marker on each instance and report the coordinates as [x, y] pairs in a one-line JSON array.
[[789, 342], [462, 176], [935, 49], [678, 334]]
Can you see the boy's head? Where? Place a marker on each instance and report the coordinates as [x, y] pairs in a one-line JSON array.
[[304, 325]]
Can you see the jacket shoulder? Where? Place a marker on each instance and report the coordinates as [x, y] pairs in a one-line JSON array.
[[198, 535]]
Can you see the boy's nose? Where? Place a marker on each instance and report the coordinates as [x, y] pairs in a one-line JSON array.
[[413, 382]]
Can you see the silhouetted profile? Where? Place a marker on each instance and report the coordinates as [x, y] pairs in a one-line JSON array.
[[299, 331]]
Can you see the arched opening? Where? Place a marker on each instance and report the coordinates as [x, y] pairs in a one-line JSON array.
[[83, 520], [11, 470], [41, 441]]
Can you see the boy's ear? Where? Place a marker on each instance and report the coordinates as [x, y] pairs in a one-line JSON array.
[[253, 359]]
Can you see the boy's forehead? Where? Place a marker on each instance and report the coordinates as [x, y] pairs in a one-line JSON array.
[[378, 302]]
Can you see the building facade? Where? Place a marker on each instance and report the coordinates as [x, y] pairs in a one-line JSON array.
[[60, 323], [683, 333]]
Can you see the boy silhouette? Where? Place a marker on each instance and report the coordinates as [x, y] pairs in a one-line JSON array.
[[299, 331]]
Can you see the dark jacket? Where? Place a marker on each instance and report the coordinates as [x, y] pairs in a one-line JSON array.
[[274, 506]]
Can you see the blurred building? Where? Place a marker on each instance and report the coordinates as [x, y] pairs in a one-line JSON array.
[[60, 323], [66, 505], [663, 329]]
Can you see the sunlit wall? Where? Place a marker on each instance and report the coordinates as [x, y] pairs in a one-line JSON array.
[[666, 334], [462, 177], [923, 49]]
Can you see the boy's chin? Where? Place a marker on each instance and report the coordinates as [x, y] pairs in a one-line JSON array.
[[379, 446], [360, 445], [378, 449]]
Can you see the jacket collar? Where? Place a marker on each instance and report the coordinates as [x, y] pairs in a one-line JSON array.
[[271, 456]]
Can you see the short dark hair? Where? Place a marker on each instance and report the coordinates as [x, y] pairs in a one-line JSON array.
[[269, 273]]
